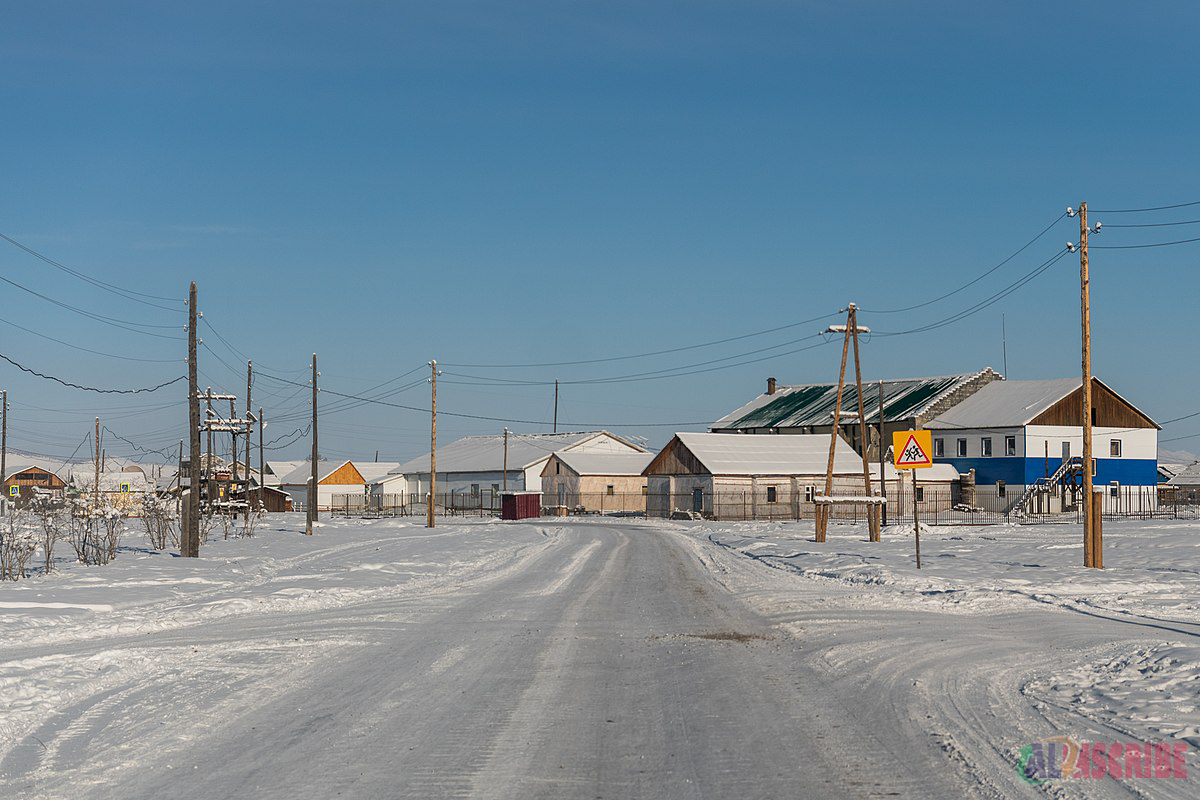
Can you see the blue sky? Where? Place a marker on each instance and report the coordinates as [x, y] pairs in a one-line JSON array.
[[535, 182]]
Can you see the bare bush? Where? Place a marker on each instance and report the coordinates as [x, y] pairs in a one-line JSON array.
[[95, 535], [161, 522], [52, 524], [18, 543]]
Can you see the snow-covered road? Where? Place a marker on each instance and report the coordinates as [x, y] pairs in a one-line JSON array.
[[562, 660]]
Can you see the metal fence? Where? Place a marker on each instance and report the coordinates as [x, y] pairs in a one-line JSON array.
[[935, 505], [453, 504]]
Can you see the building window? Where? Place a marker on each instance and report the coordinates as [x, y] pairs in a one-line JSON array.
[[985, 446], [1114, 488], [474, 490], [962, 448], [557, 468], [1001, 489], [920, 494], [645, 491], [771, 494], [609, 490], [809, 493], [939, 448], [1010, 445], [495, 488], [1114, 448]]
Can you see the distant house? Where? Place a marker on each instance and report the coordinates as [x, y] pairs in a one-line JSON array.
[[1184, 486], [588, 481], [125, 490], [1019, 435], [32, 481], [276, 470], [747, 477], [938, 489], [474, 466], [333, 477], [908, 403]]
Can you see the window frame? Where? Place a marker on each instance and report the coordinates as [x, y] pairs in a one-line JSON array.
[[939, 448], [1115, 444], [1010, 446], [985, 447], [962, 448], [772, 494]]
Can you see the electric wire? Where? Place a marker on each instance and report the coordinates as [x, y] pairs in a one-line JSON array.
[[1142, 246], [71, 385], [108, 287], [1139, 210], [972, 282], [85, 349]]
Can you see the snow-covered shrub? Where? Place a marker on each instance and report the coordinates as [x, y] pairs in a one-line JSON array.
[[159, 518], [18, 543]]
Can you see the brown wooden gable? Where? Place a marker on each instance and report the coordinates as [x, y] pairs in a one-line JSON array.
[[24, 478], [675, 459], [345, 474], [1111, 410]]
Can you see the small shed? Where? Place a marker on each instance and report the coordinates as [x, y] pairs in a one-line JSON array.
[[520, 505]]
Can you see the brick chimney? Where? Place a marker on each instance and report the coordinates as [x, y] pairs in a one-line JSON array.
[[770, 386]]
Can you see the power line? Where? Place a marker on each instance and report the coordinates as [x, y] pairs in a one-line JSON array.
[[173, 453], [85, 349], [108, 287], [24, 368], [1142, 246], [1138, 210], [647, 355], [1012, 287], [114, 322], [1152, 224], [972, 282]]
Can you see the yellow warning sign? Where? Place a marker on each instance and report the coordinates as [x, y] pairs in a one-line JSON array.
[[912, 449]]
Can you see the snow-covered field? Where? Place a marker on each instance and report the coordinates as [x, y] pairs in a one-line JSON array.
[[1000, 640], [1143, 684]]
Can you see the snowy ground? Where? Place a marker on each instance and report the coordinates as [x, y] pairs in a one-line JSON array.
[[512, 660]]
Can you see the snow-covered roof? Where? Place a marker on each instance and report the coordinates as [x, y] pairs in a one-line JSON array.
[[811, 405], [769, 454], [1187, 476], [112, 481], [938, 472], [1006, 404], [486, 453], [587, 463], [374, 470], [281, 468], [300, 475]]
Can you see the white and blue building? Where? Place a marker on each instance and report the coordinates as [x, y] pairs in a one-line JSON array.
[[1018, 435]]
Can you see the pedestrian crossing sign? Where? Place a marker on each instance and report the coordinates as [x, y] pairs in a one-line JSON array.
[[125, 488], [14, 491], [912, 449]]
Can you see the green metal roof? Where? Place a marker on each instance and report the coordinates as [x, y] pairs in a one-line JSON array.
[[812, 405]]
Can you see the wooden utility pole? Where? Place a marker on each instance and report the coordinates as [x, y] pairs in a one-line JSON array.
[[4, 440], [504, 479], [249, 422], [1091, 554], [432, 446], [872, 511], [179, 485], [233, 447], [96, 486], [312, 489], [189, 544], [882, 476], [208, 459], [555, 405], [262, 464]]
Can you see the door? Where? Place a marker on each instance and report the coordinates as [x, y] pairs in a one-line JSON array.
[[562, 495], [1066, 452], [698, 500]]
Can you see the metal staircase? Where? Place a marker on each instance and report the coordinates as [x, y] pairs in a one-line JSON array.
[[1069, 468]]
